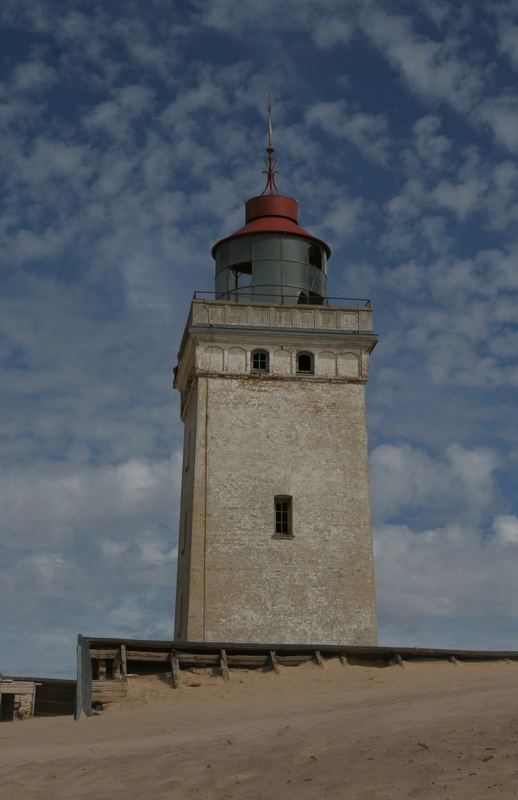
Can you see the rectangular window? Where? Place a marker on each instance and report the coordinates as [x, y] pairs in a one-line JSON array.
[[260, 361], [283, 516]]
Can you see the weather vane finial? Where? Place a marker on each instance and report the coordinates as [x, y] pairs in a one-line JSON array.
[[270, 161]]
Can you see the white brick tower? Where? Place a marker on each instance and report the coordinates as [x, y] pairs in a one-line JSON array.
[[275, 529]]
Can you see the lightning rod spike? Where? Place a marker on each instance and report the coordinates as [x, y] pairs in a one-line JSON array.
[[270, 161]]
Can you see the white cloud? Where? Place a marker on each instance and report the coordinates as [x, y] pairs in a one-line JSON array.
[[406, 478], [89, 540], [448, 572], [54, 160], [367, 132], [501, 114], [86, 499], [135, 99], [460, 198], [438, 11], [433, 147], [432, 69], [505, 527], [344, 218], [508, 40], [329, 32], [33, 76], [502, 196]]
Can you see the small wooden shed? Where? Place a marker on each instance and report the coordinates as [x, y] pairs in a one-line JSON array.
[[17, 699]]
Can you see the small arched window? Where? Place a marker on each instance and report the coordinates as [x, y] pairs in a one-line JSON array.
[[305, 363], [260, 361]]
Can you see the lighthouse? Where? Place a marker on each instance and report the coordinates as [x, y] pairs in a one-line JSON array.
[[275, 541]]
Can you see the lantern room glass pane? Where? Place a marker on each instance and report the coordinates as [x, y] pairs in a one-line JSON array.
[[222, 256], [266, 273], [266, 247], [294, 276], [324, 262], [268, 294], [239, 250], [294, 249], [317, 280], [315, 253], [222, 283]]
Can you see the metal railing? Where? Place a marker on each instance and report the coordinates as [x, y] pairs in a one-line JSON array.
[[298, 297]]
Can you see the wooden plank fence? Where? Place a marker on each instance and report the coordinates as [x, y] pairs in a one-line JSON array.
[[104, 664]]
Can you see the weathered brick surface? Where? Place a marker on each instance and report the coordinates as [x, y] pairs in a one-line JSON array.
[[249, 438]]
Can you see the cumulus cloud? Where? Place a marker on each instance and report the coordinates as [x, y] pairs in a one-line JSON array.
[[431, 574], [344, 218], [433, 69], [90, 475], [427, 578], [88, 541], [502, 196], [331, 32], [33, 76], [507, 29], [460, 198], [64, 502], [431, 145], [501, 115], [505, 527], [406, 479], [367, 132]]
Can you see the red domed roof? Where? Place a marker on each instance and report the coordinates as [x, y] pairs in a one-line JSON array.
[[272, 213]]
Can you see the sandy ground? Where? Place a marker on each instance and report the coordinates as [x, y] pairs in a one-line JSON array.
[[431, 730]]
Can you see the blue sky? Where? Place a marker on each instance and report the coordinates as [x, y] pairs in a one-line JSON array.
[[130, 135]]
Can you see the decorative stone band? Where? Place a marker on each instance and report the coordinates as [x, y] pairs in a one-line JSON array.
[[236, 360], [221, 312]]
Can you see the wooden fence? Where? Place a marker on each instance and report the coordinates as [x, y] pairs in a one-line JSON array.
[[104, 664]]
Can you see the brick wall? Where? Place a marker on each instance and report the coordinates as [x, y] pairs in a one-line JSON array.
[[253, 437]]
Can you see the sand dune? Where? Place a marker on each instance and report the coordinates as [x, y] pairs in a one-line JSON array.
[[431, 730]]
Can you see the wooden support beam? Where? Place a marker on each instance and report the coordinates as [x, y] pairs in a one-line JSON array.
[[102, 669], [273, 661], [290, 661], [223, 663], [194, 660], [116, 668], [175, 669], [343, 659], [84, 679], [124, 663], [239, 660], [141, 655], [318, 658], [398, 660], [104, 653], [9, 686]]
